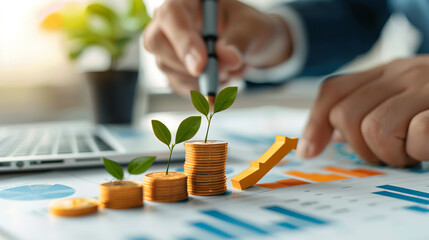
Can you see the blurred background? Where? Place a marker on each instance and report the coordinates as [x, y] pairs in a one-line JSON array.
[[39, 81]]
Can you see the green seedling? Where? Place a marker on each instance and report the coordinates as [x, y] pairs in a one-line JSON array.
[[137, 166], [224, 100], [186, 130]]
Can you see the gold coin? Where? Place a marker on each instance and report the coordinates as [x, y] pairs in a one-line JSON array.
[[160, 187], [205, 165], [121, 195], [73, 207]]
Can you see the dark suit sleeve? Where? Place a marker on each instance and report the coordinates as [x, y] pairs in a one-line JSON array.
[[339, 30]]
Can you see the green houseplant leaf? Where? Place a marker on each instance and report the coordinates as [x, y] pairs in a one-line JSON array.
[[188, 128], [137, 17], [161, 132], [225, 99], [114, 168], [200, 102], [139, 165], [103, 11]]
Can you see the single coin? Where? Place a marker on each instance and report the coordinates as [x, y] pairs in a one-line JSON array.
[[209, 142], [162, 176], [73, 207]]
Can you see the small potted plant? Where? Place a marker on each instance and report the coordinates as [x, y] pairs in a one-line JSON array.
[[170, 186], [97, 24], [206, 159], [122, 194]]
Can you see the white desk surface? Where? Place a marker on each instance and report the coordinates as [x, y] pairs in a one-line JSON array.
[[393, 205]]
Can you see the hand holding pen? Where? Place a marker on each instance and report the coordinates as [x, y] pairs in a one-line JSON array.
[[244, 38]]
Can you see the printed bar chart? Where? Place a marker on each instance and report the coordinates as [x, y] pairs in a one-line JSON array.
[[294, 214], [282, 183], [419, 195], [317, 177], [226, 226], [418, 209], [360, 172], [402, 197], [368, 172], [405, 190], [231, 220], [213, 230], [288, 225], [271, 185]]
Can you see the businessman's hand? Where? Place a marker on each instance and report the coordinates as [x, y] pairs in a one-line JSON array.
[[382, 113], [246, 38]]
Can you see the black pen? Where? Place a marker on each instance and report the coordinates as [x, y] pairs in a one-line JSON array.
[[209, 79]]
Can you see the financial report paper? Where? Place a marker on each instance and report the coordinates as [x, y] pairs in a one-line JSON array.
[[335, 195]]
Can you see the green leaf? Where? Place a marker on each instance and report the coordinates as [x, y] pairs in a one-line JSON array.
[[102, 11], [114, 168], [200, 102], [103, 21], [161, 132], [136, 7], [225, 99], [187, 129], [139, 165], [137, 17]]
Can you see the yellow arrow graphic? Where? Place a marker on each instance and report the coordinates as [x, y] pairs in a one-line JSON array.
[[249, 177]]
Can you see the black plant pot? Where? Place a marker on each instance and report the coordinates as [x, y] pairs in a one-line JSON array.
[[113, 94]]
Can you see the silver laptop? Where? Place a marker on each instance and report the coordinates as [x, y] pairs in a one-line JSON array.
[[65, 145]]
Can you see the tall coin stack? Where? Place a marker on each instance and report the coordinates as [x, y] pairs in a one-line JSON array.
[[160, 187], [121, 195], [205, 167]]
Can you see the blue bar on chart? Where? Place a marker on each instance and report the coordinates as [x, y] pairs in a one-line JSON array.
[[288, 225], [402, 197], [418, 209], [231, 220], [213, 230], [405, 190], [294, 214]]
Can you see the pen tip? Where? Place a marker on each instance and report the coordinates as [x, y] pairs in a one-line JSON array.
[[211, 100]]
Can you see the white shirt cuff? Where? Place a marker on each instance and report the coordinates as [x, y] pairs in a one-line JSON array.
[[295, 63]]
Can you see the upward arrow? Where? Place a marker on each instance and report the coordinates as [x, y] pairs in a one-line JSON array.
[[249, 177]]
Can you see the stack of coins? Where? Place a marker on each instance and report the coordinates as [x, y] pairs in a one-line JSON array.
[[73, 207], [160, 187], [121, 195], [205, 167]]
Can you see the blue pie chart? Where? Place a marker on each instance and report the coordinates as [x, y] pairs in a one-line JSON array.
[[36, 192]]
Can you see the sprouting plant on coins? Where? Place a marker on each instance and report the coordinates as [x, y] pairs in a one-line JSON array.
[[137, 166], [223, 101], [186, 130]]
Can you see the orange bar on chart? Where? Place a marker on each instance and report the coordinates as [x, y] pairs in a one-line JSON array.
[[291, 182], [345, 171], [271, 185], [316, 176], [368, 172], [282, 183]]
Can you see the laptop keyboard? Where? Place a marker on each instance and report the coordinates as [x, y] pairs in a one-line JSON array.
[[22, 142]]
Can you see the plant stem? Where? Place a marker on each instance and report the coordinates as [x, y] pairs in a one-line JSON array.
[[113, 63], [209, 119], [169, 159]]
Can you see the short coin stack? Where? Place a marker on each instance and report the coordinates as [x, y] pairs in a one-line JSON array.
[[73, 207], [205, 167], [121, 195], [159, 187]]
